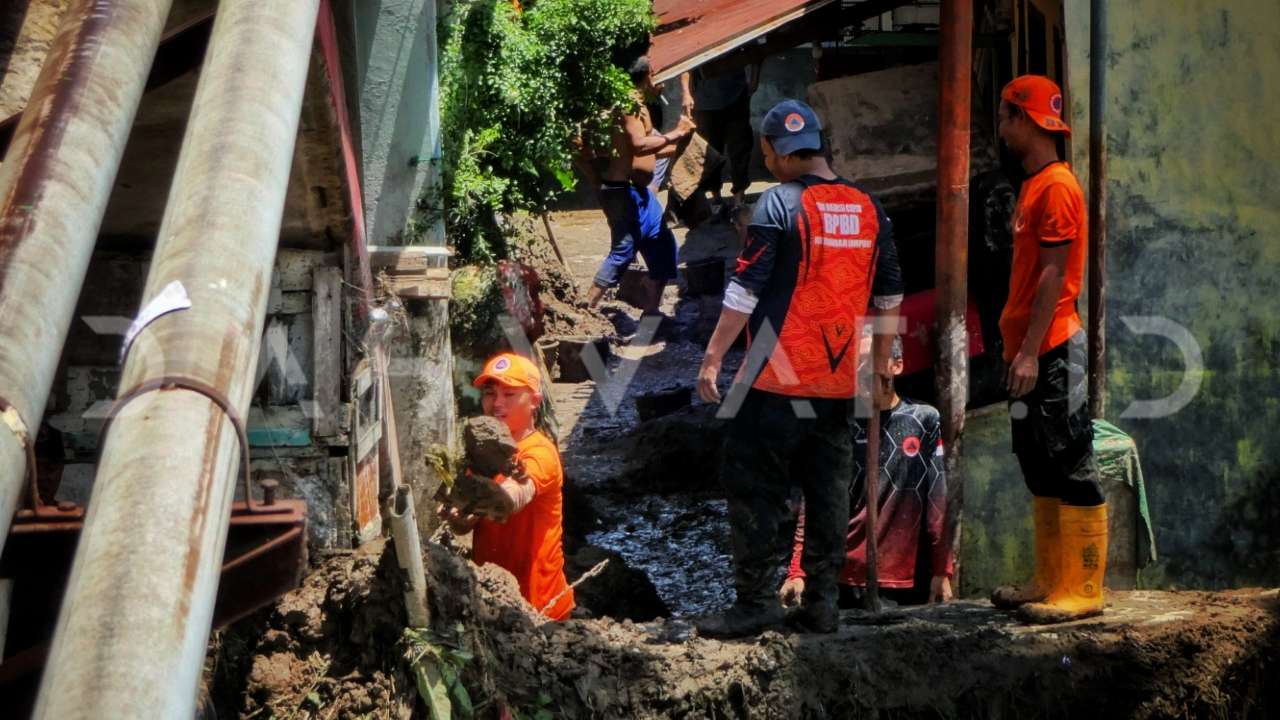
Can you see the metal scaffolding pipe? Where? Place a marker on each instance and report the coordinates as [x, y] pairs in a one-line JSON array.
[[1097, 208], [54, 184], [955, 59], [134, 623]]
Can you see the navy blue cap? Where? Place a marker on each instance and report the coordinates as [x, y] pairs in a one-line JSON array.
[[790, 126]]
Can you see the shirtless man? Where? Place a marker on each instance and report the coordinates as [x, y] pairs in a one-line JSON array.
[[629, 203]]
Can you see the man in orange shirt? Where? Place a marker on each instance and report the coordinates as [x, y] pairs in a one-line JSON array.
[[1044, 346], [526, 536]]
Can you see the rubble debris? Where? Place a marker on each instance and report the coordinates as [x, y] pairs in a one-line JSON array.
[[1154, 655], [676, 453], [328, 649]]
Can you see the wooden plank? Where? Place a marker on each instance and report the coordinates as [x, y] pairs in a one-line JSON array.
[[326, 384], [406, 258], [279, 437], [296, 267], [432, 284], [274, 358], [414, 271], [295, 303], [366, 433], [390, 459], [338, 479]]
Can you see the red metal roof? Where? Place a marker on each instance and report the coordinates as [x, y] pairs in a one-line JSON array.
[[691, 32]]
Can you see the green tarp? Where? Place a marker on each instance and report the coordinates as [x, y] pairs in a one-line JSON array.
[[1117, 457]]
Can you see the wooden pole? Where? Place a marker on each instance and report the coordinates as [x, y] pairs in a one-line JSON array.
[[1097, 208], [551, 238], [872, 476]]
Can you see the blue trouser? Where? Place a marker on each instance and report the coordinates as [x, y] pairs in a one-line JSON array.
[[635, 225]]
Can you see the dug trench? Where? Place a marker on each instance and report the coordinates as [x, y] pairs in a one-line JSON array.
[[645, 496]]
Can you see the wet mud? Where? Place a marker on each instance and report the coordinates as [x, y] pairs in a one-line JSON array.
[[330, 650]]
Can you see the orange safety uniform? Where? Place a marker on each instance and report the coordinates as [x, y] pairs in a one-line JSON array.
[[1050, 213], [529, 544], [816, 252]]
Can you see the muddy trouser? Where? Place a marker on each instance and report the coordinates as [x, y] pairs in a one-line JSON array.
[[1053, 432], [627, 235], [729, 132], [767, 450]]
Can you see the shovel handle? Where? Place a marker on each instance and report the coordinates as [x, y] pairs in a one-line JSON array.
[[872, 477]]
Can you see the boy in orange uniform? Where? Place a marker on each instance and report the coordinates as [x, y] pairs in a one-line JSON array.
[[526, 537], [1044, 346]]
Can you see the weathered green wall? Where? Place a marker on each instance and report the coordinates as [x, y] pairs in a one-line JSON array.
[[1194, 208], [398, 107]]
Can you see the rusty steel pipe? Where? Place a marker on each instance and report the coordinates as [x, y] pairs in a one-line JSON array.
[[134, 623], [955, 60], [1097, 208], [54, 184]]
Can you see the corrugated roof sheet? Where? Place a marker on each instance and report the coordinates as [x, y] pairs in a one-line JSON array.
[[691, 32]]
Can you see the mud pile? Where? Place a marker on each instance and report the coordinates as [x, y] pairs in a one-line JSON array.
[[330, 649], [564, 306], [488, 445], [1157, 655]]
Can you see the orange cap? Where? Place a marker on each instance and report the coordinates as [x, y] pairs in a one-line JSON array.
[[511, 370], [1040, 98]]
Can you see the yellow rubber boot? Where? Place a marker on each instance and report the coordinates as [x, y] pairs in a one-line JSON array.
[[1084, 563], [1045, 515]]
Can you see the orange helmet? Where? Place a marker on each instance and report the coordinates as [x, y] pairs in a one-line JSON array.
[[511, 370], [1040, 98]]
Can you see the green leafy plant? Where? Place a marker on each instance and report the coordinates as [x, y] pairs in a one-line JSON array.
[[437, 670], [517, 88], [542, 710]]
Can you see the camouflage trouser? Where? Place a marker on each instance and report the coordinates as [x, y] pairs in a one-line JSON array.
[[774, 442], [1052, 431]]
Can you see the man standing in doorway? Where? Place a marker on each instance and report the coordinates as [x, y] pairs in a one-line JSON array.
[[1044, 345], [721, 106], [818, 249]]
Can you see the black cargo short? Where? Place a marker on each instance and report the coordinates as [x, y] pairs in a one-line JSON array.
[[1053, 432]]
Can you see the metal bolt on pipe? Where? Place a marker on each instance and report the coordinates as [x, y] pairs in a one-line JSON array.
[[54, 185], [134, 623]]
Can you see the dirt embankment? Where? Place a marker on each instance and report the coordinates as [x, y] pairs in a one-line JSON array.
[[332, 649]]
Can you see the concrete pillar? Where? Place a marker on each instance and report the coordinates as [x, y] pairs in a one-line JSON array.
[[398, 107], [399, 129]]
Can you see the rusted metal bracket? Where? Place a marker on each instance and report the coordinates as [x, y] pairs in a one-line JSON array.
[[266, 557], [172, 382]]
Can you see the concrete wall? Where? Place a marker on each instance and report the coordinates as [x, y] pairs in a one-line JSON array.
[[397, 96], [1194, 217], [1194, 167]]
